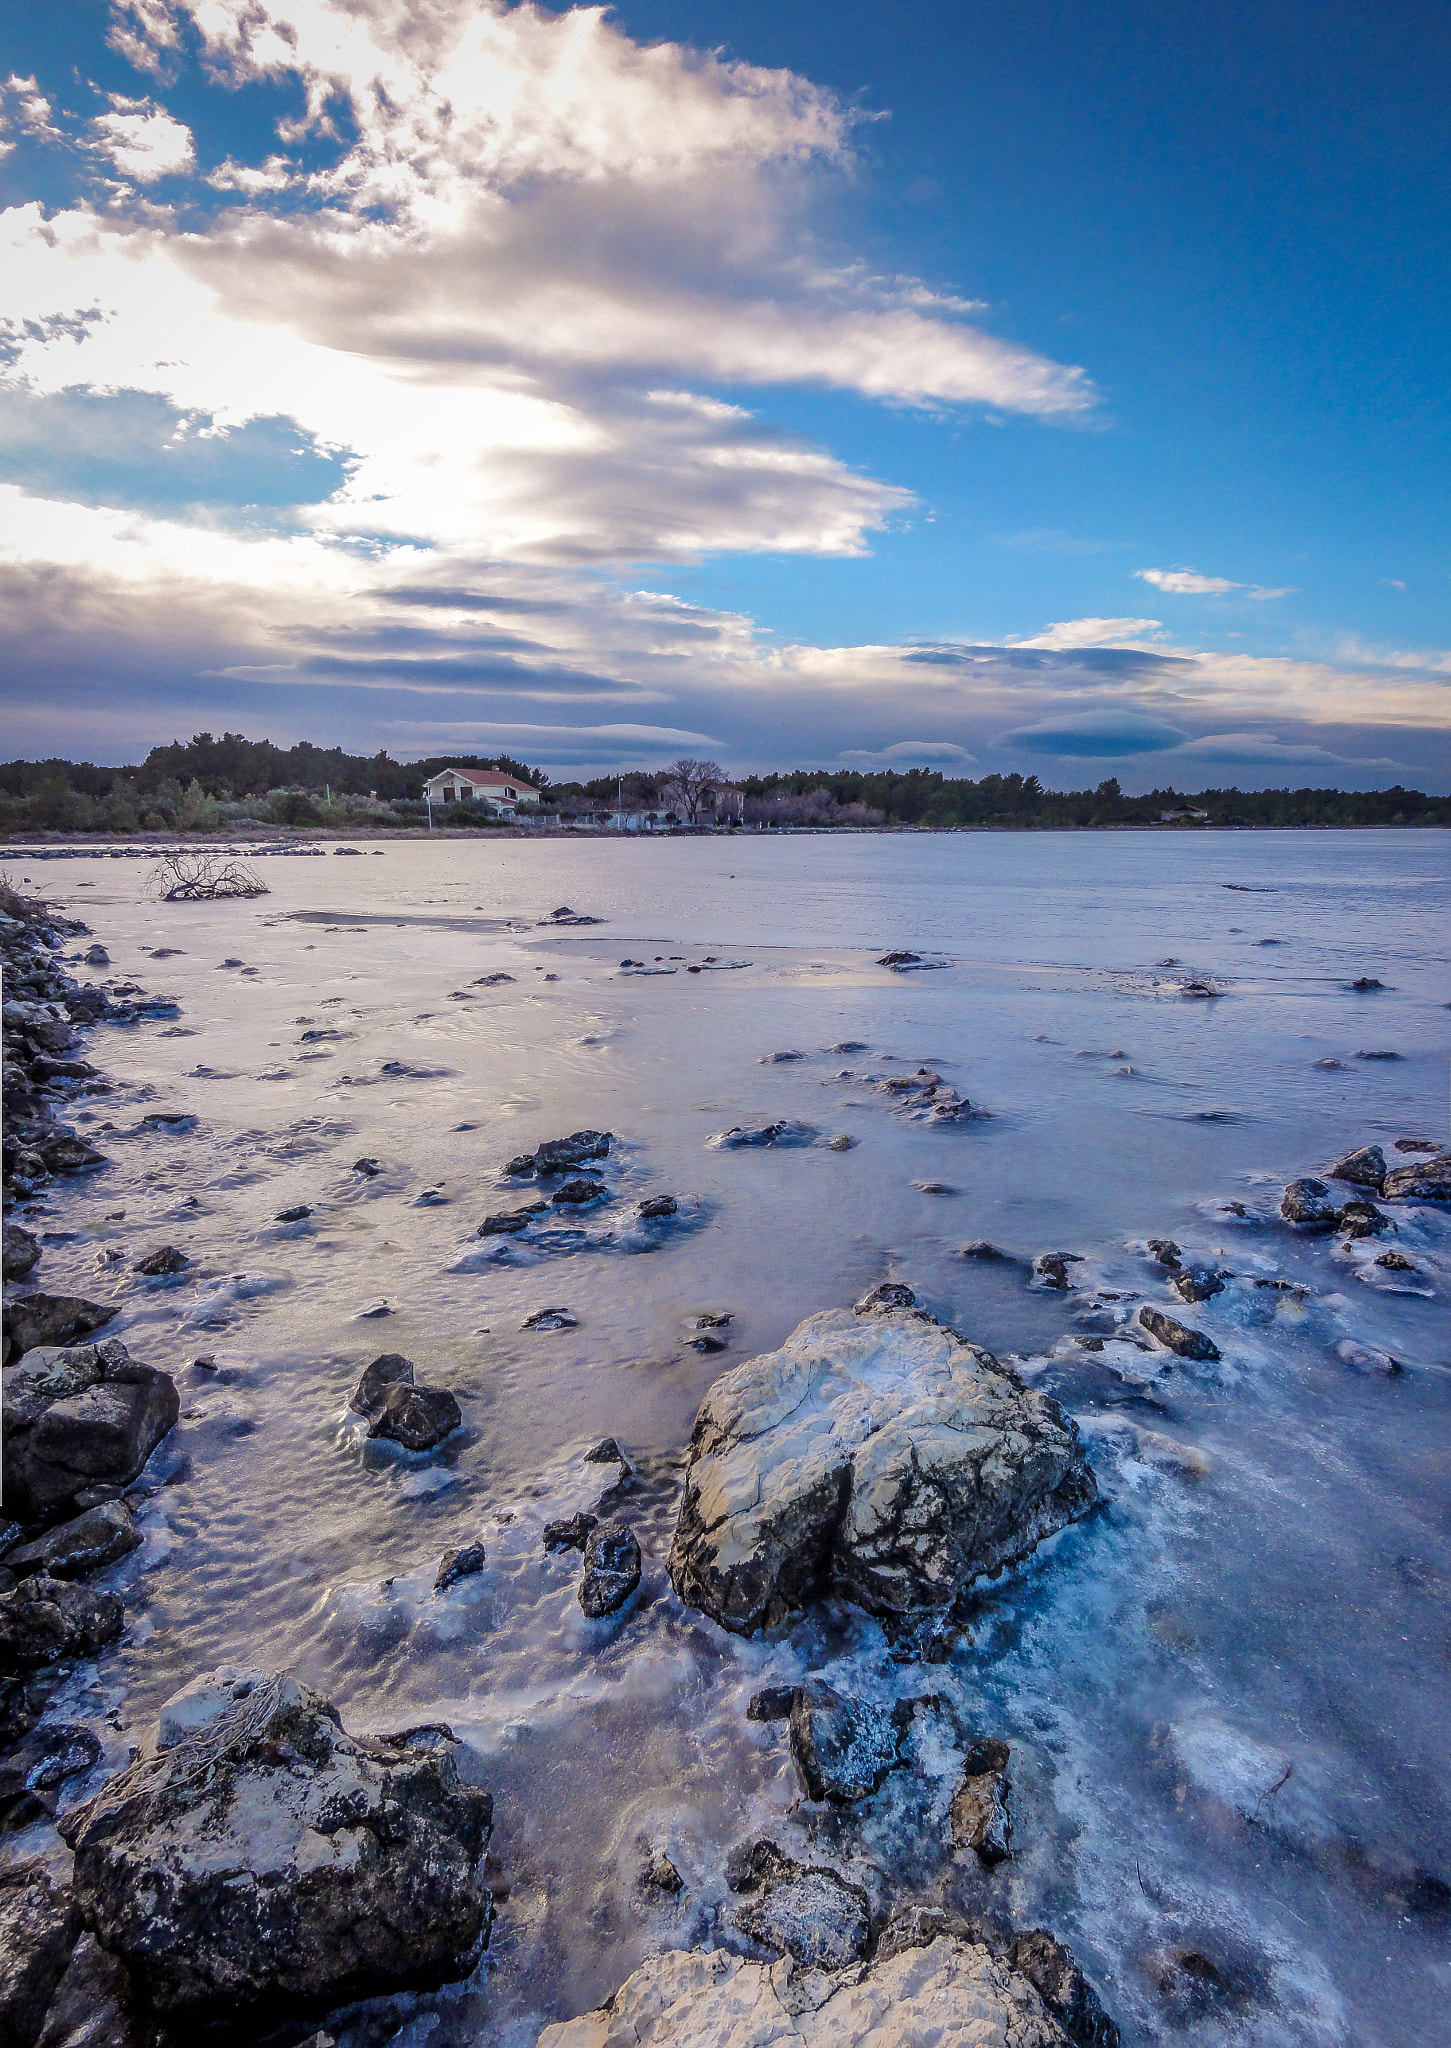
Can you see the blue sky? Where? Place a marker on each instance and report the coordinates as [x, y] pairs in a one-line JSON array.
[[1013, 387]]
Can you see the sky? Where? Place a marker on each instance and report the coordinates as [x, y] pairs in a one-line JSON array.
[[1027, 387]]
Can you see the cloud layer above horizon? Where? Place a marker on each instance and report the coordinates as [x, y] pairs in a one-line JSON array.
[[366, 436]]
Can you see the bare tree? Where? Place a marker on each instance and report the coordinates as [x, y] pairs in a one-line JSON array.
[[691, 786], [187, 876]]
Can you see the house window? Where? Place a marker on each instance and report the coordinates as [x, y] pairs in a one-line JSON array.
[[448, 793], [508, 792]]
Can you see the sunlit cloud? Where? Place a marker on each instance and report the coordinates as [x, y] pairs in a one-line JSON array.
[[1189, 583]]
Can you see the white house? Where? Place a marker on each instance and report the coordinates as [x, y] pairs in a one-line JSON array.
[[479, 785]]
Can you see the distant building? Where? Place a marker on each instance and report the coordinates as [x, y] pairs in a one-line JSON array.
[[479, 785]]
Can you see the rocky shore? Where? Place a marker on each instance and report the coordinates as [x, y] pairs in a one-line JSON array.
[[257, 1871]]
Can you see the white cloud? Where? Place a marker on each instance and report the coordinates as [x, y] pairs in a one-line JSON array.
[[1090, 633], [142, 140], [1189, 583]]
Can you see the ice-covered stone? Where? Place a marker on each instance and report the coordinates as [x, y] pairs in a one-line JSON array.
[[881, 1457]]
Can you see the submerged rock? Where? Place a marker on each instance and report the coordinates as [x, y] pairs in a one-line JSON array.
[[509, 1222], [76, 1418], [271, 1856], [611, 1569], [1309, 1202], [1363, 1169], [807, 1912], [1177, 1336], [788, 1131], [562, 1155], [1167, 1252], [577, 1194], [39, 1926], [843, 1748], [1050, 1968], [101, 1536], [979, 1814], [1198, 1283], [1050, 1269], [569, 1535], [51, 1319], [392, 1369], [459, 1564], [1363, 1219], [951, 1991], [881, 1457]]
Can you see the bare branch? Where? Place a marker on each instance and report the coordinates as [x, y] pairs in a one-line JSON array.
[[192, 876]]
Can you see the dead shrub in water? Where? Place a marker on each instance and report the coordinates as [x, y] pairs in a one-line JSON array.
[[191, 876]]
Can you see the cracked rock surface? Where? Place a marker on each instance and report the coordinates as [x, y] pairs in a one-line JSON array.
[[879, 1456]]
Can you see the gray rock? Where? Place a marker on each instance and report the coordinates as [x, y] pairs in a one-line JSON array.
[[22, 1250], [772, 1703], [656, 1208], [1309, 1203], [611, 1569], [418, 1418], [509, 1222], [33, 1771], [980, 1248], [562, 1155], [659, 1877], [1395, 1262], [979, 1814], [36, 1319], [950, 1991], [550, 1319], [1363, 1169], [1198, 1283], [101, 1536], [1363, 1219], [39, 1925], [607, 1451], [1063, 1988], [92, 2004], [1050, 1269], [886, 1294], [576, 1194], [1425, 1180], [570, 1535], [66, 1153], [842, 1748], [880, 1457], [167, 1258], [297, 1214], [392, 1369], [77, 1418], [807, 1912], [271, 1856], [1166, 1252], [459, 1564], [1177, 1336], [45, 1619], [787, 1131]]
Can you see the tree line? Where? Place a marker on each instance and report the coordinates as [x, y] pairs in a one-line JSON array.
[[209, 784]]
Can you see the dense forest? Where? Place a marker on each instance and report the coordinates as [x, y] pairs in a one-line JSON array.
[[209, 784]]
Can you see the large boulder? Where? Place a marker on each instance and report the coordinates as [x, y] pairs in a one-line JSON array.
[[36, 1319], [953, 1992], [879, 1456], [79, 1417], [271, 1859], [101, 1536], [39, 1924], [1363, 1169], [1425, 1180], [45, 1619]]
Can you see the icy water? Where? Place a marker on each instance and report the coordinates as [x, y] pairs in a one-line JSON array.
[[1227, 1693]]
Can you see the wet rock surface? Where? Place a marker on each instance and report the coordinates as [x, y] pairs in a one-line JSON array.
[[843, 1748], [78, 1417], [808, 1912], [39, 1924], [881, 1457], [561, 1155], [1423, 1181], [1365, 1168], [102, 1536], [1178, 1337], [34, 1320], [979, 1814], [22, 1251], [611, 1569], [418, 1418], [1309, 1203], [269, 1856], [46, 1619]]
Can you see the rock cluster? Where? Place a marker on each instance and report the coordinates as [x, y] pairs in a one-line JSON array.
[[878, 1456], [396, 1408]]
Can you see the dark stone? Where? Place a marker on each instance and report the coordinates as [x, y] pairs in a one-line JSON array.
[[369, 1168], [459, 1564], [1198, 1283], [788, 1131], [1166, 1252], [1425, 1180], [520, 1167], [168, 1119], [657, 1207], [706, 1345], [659, 1875], [1367, 981], [46, 1619], [22, 1250], [1395, 1262], [807, 1912], [575, 1194], [88, 1416], [39, 1926], [167, 1258], [31, 1772], [66, 1153], [391, 1370], [611, 1569], [1051, 1269], [509, 1222], [605, 1452], [299, 1866], [843, 1748], [1178, 1336], [772, 1703], [1363, 1169], [297, 1214], [560, 1155], [1063, 1988], [981, 1249], [1363, 1219], [899, 959], [551, 1319], [979, 1815], [419, 1418], [570, 1535], [51, 1319], [100, 1537], [887, 1294], [1310, 1203]]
